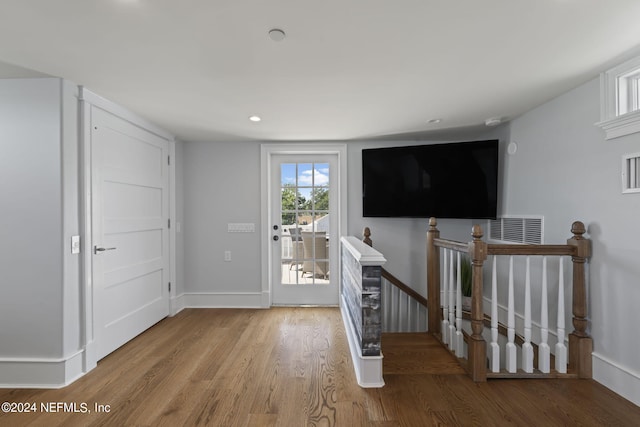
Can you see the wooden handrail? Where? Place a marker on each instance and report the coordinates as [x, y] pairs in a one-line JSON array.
[[404, 288], [451, 244], [544, 250], [500, 249]]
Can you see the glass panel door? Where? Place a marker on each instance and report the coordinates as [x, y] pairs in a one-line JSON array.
[[306, 239]]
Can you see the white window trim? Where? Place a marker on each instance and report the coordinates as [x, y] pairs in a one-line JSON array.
[[614, 118], [630, 182]]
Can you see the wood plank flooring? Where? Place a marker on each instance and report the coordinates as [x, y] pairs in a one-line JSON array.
[[291, 367]]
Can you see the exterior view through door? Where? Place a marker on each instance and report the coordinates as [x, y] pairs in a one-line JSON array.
[[304, 234]]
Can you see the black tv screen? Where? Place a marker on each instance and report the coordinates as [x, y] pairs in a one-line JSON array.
[[452, 180]]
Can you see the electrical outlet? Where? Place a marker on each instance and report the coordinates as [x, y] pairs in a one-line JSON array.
[[227, 256]]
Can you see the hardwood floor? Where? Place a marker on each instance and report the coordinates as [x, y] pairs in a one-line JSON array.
[[291, 367]]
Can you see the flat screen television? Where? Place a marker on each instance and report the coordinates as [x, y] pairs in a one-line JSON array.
[[451, 180]]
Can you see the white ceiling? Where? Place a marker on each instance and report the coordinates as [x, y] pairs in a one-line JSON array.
[[347, 69]]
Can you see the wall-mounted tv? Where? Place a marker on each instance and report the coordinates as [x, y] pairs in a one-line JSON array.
[[451, 180]]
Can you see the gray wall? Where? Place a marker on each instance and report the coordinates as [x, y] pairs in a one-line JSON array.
[[39, 308], [221, 186], [565, 170]]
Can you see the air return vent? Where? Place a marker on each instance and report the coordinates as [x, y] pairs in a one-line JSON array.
[[517, 229], [631, 173]]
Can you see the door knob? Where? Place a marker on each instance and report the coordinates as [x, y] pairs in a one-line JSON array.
[[97, 249], [276, 238]]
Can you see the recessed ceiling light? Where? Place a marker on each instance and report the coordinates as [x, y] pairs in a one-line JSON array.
[[255, 118], [434, 121], [494, 121], [276, 34]]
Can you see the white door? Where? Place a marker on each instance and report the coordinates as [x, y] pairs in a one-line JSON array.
[[304, 230], [130, 210]]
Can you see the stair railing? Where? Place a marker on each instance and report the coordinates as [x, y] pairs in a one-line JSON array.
[[446, 320], [403, 308]]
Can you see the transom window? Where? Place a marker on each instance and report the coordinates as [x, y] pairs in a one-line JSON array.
[[620, 99], [628, 92]]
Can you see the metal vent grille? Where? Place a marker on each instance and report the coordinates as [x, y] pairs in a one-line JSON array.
[[517, 229], [631, 173]]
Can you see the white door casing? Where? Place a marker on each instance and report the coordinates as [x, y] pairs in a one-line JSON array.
[[284, 282], [130, 211]]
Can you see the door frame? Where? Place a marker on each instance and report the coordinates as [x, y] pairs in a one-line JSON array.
[[88, 100], [267, 151]]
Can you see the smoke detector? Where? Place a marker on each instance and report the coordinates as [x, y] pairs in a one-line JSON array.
[[277, 35]]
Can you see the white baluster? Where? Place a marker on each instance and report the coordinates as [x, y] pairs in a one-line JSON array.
[[407, 318], [452, 315], [511, 362], [388, 301], [445, 301], [459, 339], [561, 349], [494, 352], [527, 348], [544, 352], [383, 301], [394, 313]]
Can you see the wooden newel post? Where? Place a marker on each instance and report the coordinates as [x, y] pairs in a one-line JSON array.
[[433, 278], [477, 356], [580, 343], [366, 237]]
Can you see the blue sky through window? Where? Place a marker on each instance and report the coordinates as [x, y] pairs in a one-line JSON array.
[[308, 175]]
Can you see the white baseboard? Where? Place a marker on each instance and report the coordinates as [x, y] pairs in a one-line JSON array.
[[41, 372], [617, 378], [176, 305], [224, 300], [368, 368]]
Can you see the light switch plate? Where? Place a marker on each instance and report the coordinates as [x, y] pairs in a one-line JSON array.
[[241, 227], [75, 245]]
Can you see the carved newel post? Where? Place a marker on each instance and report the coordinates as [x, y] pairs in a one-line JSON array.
[[433, 279], [366, 239], [477, 358], [580, 343]]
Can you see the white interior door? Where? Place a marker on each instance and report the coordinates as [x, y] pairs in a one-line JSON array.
[[130, 211], [304, 230]]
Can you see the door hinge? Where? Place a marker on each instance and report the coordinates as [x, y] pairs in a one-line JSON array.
[[169, 160], [169, 286], [169, 223]]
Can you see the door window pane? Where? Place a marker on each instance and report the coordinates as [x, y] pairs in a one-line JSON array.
[[305, 223]]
